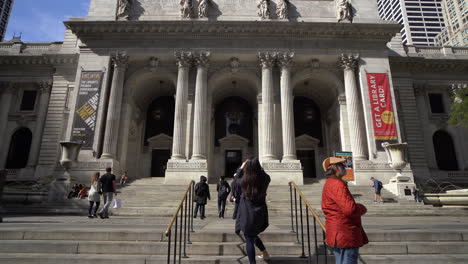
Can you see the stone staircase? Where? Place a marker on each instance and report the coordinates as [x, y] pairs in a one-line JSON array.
[[399, 231]]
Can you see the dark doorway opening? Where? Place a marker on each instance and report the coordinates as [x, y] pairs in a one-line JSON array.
[[233, 160], [159, 162], [20, 146], [444, 151], [307, 158]]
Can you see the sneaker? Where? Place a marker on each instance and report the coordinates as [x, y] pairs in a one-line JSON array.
[[90, 216], [95, 215], [265, 257], [101, 215]]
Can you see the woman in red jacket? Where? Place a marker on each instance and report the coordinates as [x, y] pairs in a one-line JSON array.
[[344, 232]]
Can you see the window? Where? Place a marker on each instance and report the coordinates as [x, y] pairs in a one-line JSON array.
[[28, 101], [436, 103]]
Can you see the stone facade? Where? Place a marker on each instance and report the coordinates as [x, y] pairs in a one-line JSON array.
[[235, 80]]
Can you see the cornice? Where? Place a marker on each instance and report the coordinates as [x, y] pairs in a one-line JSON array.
[[234, 30], [423, 65], [46, 60]]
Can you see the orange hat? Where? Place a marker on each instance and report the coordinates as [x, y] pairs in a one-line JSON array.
[[330, 161]]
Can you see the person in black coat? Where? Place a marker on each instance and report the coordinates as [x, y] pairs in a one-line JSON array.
[[202, 192], [252, 216], [223, 190], [235, 196]]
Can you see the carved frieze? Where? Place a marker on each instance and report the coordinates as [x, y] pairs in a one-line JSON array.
[[263, 9], [234, 65], [186, 165], [281, 166]]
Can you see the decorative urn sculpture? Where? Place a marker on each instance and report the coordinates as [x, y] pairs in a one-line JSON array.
[[70, 151], [397, 158]]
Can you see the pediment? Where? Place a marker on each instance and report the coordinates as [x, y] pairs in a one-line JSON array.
[[306, 141], [160, 138], [233, 139]]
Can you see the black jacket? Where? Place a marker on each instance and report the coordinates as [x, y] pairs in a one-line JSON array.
[[202, 199], [223, 195], [252, 217]]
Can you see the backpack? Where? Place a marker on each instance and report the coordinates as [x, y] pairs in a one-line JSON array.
[[202, 190], [379, 185], [223, 193]]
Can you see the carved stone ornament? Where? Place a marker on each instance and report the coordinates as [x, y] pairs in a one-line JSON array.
[[342, 99], [120, 60], [314, 63], [344, 10], [203, 7], [349, 61], [186, 8], [183, 58], [153, 63], [123, 9], [282, 9], [419, 89], [45, 87], [263, 9], [234, 63], [285, 59], [202, 59], [267, 59]]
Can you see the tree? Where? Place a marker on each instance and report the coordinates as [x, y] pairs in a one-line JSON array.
[[459, 109]]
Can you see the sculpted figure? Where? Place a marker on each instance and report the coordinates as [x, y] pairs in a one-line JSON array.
[[186, 8], [203, 8], [263, 10], [282, 9], [123, 8], [343, 11]]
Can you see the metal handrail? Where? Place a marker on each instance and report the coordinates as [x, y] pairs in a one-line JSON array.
[[316, 218], [185, 205]]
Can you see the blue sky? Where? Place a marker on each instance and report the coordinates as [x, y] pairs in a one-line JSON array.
[[41, 20]]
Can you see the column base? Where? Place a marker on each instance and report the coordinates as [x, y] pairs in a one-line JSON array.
[[281, 173], [181, 172], [107, 156], [198, 157]]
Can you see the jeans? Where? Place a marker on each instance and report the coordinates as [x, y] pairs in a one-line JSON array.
[[236, 207], [108, 197], [221, 206], [202, 210], [90, 209], [250, 241], [346, 255]]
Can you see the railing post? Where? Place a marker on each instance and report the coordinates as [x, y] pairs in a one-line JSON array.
[[295, 210], [181, 231], [325, 247], [308, 236], [302, 228], [190, 208], [169, 247], [185, 228], [191, 218], [291, 206], [175, 241], [315, 238]]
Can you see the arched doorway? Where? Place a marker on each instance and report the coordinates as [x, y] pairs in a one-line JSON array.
[[307, 125], [444, 151], [233, 131], [20, 146], [158, 133]]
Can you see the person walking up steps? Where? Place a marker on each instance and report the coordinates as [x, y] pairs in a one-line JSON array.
[[94, 195], [252, 216], [109, 188], [223, 190], [342, 214], [235, 195], [377, 190], [202, 193]]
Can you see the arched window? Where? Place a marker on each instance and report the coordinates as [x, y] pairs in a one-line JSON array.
[[444, 151], [233, 117], [307, 118], [160, 117], [18, 152]]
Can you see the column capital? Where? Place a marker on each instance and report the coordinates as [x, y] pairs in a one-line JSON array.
[[419, 89], [202, 59], [267, 59], [342, 99], [7, 87], [285, 60], [183, 58], [44, 86], [349, 61], [120, 60]]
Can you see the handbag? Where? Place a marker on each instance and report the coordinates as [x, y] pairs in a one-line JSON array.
[[117, 203]]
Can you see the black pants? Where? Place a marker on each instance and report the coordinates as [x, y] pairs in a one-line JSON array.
[[202, 210], [250, 241], [236, 206], [221, 207], [91, 203]]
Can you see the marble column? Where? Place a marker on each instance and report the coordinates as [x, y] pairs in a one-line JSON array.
[[287, 107], [6, 93], [44, 92], [267, 60], [200, 114], [184, 61], [354, 108], [111, 134]]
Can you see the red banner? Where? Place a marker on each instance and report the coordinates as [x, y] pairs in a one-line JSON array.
[[383, 116]]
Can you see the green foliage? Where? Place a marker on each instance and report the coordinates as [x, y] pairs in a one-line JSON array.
[[459, 109]]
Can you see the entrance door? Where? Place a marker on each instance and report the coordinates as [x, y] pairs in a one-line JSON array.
[[307, 158], [233, 160], [159, 162]]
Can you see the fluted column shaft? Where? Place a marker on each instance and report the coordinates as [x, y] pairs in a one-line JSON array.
[[354, 108], [184, 60], [44, 90], [115, 105], [6, 90], [287, 107], [266, 61], [200, 115]]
